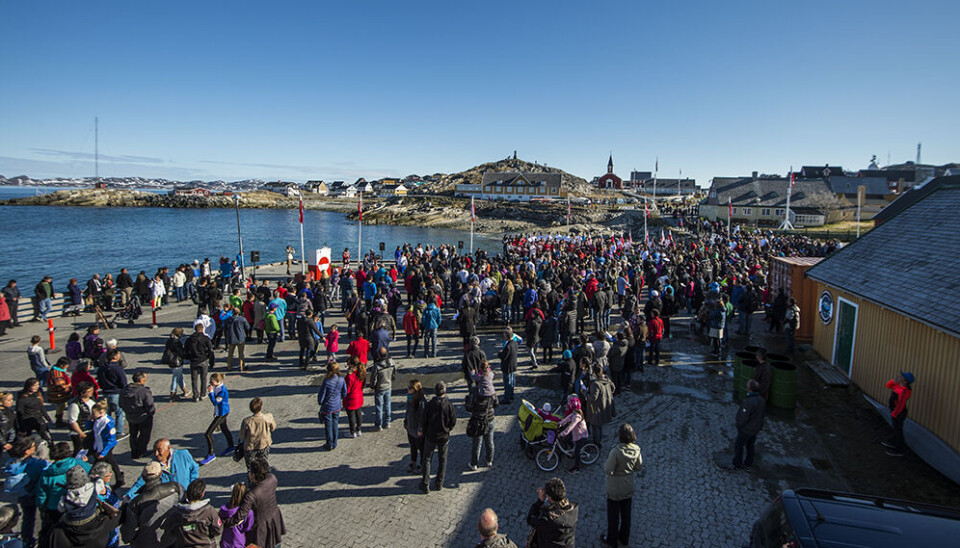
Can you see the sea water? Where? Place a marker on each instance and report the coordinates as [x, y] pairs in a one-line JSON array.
[[76, 242]]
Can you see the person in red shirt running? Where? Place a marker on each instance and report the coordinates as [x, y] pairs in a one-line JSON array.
[[900, 393]]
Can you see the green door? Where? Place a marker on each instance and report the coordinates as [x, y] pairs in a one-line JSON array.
[[846, 329]]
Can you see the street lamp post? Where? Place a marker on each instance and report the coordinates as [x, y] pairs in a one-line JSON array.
[[236, 203]]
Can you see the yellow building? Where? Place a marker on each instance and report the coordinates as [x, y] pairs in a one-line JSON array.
[[890, 302]]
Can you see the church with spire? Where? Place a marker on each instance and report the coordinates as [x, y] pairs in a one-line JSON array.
[[610, 179]]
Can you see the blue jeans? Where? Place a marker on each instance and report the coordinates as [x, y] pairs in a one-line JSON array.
[[190, 289], [114, 408], [180, 293], [382, 402], [509, 383], [45, 307], [745, 320], [487, 440], [506, 312], [331, 426], [429, 343], [176, 379]]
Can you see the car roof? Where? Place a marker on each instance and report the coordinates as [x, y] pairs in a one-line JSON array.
[[832, 519]]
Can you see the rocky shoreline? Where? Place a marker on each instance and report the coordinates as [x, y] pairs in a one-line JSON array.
[[427, 211]]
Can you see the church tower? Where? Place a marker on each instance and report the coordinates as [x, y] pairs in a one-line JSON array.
[[610, 165]]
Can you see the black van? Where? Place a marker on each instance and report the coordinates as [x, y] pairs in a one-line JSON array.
[[805, 518]]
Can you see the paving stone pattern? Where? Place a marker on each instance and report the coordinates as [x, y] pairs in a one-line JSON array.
[[361, 494]]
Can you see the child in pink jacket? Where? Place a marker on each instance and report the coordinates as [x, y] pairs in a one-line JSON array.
[[332, 343], [574, 428]]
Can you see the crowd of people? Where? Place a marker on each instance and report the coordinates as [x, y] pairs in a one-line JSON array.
[[552, 298]]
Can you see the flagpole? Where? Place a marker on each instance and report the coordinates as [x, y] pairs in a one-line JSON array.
[[656, 169], [786, 225], [473, 215], [678, 183], [303, 257], [360, 228], [568, 212], [729, 213]]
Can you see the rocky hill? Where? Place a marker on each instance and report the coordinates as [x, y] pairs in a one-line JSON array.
[[573, 184], [135, 198]]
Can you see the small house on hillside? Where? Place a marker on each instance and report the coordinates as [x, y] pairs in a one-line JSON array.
[[514, 186], [390, 191], [316, 187], [890, 302], [285, 188]]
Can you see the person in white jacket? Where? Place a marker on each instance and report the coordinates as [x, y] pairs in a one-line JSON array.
[[157, 291], [179, 280]]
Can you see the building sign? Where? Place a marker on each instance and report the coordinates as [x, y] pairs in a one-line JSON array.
[[825, 307]]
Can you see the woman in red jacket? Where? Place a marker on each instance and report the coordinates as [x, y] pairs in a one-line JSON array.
[[412, 329], [353, 403]]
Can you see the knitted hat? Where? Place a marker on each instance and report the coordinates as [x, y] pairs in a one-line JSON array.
[[76, 477]]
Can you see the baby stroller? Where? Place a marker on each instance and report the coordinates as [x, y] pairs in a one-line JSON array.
[[489, 307], [535, 430], [132, 311]]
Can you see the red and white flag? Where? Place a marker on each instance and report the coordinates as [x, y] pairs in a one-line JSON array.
[[792, 177], [729, 208], [473, 211], [360, 207], [301, 209]]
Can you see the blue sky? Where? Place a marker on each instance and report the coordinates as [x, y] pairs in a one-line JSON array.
[[303, 90]]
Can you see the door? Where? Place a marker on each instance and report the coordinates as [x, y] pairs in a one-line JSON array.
[[845, 336]]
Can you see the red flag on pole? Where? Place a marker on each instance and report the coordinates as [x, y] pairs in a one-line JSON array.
[[792, 177], [360, 207], [729, 209], [301, 209]]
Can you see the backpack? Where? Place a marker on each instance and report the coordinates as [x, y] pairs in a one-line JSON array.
[[93, 349]]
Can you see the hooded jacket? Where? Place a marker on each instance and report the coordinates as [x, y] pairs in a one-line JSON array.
[[148, 517], [136, 400], [53, 482], [235, 537], [431, 317], [622, 463], [554, 523], [197, 524], [382, 374]]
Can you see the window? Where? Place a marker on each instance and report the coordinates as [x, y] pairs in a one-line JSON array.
[[778, 212], [733, 211], [747, 211], [765, 212]]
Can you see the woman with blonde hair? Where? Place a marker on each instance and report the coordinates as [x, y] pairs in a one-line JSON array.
[[236, 536]]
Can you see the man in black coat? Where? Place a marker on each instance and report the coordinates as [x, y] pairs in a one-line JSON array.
[[473, 359], [308, 336], [508, 364], [199, 351], [136, 400], [552, 517], [437, 422], [749, 423], [147, 518]]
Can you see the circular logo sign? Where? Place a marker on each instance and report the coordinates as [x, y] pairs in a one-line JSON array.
[[825, 307]]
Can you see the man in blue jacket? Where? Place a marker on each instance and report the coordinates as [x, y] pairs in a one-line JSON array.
[[430, 323], [175, 465]]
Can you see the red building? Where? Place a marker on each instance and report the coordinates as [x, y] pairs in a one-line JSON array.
[[610, 180]]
